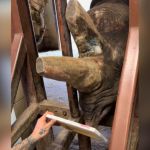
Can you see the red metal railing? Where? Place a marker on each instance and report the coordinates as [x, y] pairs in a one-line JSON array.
[[128, 83]]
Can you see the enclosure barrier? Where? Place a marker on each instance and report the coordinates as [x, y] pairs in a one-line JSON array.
[[24, 54]]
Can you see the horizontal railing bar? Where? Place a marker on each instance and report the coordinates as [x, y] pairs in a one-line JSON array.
[[24, 122], [59, 109]]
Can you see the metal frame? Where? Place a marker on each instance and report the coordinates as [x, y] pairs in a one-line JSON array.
[[127, 90], [24, 54]]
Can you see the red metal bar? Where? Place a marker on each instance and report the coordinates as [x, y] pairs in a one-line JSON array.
[[31, 80], [18, 54], [15, 20], [26, 23], [124, 105], [65, 38], [15, 50], [16, 39]]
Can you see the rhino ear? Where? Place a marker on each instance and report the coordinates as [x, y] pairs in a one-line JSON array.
[[82, 74], [83, 29]]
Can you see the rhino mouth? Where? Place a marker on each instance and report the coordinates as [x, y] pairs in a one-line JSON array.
[[97, 104]]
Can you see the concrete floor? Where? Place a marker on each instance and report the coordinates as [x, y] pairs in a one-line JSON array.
[[96, 145]]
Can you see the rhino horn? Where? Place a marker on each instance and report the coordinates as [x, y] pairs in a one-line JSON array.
[[82, 73], [83, 29]]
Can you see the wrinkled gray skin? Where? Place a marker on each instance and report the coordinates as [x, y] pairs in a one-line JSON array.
[[101, 38], [111, 21], [98, 2]]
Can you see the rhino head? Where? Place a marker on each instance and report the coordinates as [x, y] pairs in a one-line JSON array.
[[101, 36]]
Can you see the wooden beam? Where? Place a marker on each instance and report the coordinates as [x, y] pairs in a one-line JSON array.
[[28, 84], [17, 30], [126, 95], [84, 141], [15, 51], [28, 92], [18, 54], [65, 40], [125, 100], [29, 39], [58, 108], [66, 47], [15, 20], [32, 54], [24, 122], [63, 28]]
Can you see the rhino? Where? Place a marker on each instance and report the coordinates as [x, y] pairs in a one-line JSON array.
[[101, 37]]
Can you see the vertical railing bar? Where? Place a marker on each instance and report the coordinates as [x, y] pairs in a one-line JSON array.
[[128, 84], [66, 47], [65, 40], [35, 82]]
